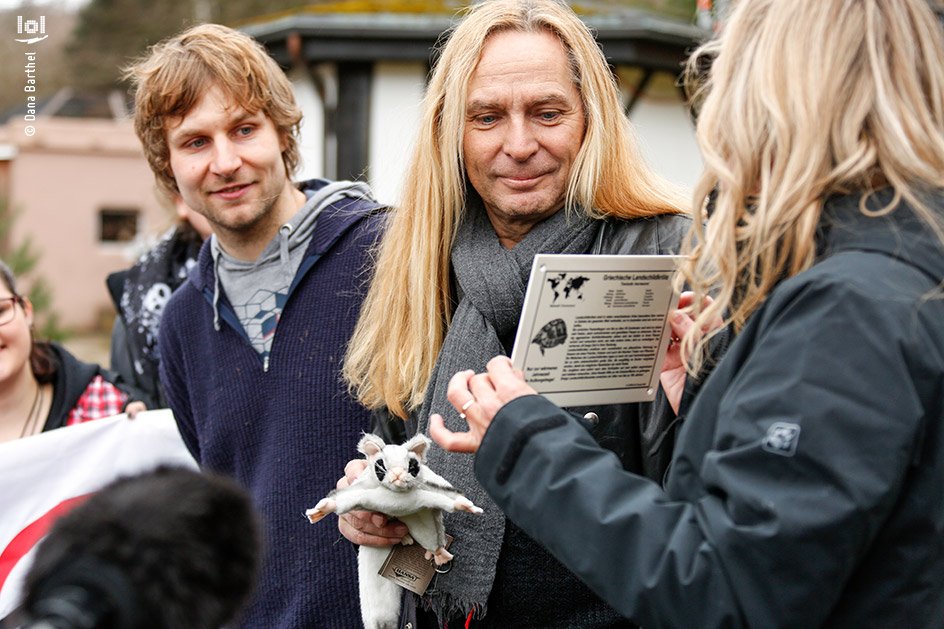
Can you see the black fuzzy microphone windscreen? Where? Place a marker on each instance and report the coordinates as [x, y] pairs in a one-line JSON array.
[[169, 549]]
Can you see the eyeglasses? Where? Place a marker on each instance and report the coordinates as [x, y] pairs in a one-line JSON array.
[[8, 309]]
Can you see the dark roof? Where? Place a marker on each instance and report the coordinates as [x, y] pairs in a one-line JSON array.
[[404, 30], [69, 103]]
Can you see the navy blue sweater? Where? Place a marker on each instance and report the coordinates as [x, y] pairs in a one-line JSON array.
[[285, 433]]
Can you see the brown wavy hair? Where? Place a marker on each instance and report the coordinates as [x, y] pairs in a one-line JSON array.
[[170, 80]]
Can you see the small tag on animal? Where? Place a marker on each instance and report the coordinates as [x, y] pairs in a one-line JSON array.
[[408, 567], [396, 481]]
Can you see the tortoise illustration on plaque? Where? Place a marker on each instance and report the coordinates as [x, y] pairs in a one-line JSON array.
[[551, 335]]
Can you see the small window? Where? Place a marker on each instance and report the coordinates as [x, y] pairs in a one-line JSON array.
[[118, 225]]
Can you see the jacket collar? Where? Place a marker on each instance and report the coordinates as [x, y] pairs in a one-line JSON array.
[[333, 222], [900, 233], [71, 380]]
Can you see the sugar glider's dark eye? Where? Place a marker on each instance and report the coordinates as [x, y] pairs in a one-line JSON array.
[[414, 468], [380, 469]]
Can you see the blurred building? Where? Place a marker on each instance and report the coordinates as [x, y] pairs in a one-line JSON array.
[[360, 68], [86, 197], [80, 190]]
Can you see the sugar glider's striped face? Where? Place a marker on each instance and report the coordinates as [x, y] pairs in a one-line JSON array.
[[396, 467]]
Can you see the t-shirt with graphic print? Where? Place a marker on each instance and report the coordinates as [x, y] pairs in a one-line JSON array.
[[258, 290]]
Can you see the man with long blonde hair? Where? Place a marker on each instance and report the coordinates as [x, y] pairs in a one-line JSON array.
[[523, 148], [805, 489], [250, 344]]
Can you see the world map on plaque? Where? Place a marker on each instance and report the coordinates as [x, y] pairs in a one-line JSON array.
[[571, 287]]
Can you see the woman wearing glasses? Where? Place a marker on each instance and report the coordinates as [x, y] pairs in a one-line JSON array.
[[43, 386]]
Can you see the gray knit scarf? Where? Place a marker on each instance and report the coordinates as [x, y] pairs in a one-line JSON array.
[[491, 284]]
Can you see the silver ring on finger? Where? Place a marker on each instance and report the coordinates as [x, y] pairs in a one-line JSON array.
[[465, 407]]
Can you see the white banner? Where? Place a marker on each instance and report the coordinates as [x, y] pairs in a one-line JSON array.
[[42, 476]]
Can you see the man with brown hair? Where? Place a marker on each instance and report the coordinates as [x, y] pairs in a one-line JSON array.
[[251, 344]]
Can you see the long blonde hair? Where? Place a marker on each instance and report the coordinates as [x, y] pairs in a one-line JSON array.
[[806, 99], [407, 310]]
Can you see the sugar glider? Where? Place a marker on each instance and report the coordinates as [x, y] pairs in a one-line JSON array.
[[395, 482]]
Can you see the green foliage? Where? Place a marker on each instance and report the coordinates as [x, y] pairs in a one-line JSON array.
[[22, 259], [682, 9], [676, 9], [109, 34], [47, 319]]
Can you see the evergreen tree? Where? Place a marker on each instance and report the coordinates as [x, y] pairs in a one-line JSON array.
[[111, 33], [22, 258]]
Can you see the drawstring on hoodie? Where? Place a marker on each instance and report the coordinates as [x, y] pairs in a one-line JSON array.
[[285, 263], [247, 282], [216, 291], [285, 231]]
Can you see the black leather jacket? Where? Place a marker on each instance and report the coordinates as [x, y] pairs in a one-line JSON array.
[[640, 434]]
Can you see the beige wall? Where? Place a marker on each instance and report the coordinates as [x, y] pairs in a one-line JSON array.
[[60, 178]]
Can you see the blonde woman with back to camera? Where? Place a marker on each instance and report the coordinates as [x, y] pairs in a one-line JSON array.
[[805, 488]]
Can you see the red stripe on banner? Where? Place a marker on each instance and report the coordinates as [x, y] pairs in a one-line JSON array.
[[30, 536]]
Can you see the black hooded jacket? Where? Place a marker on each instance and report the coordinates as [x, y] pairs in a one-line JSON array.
[[72, 378], [805, 488]]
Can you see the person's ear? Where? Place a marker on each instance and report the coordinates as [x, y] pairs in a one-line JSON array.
[[283, 141], [27, 311]]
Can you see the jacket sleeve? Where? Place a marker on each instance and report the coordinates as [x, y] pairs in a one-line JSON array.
[[754, 524], [173, 381], [388, 426], [120, 356]]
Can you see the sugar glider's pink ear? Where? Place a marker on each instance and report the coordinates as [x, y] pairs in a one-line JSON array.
[[370, 444], [418, 445]]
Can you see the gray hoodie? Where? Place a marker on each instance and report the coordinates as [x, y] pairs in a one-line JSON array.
[[258, 290]]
